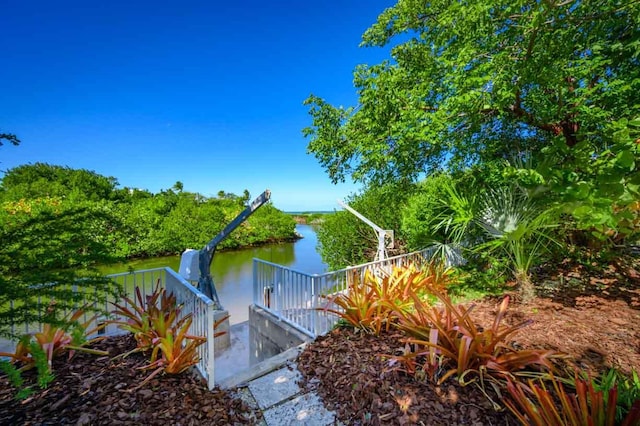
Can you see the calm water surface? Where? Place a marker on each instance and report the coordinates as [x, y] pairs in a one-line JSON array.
[[232, 271]]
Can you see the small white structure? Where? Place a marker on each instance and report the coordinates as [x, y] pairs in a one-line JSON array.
[[190, 271], [189, 265]]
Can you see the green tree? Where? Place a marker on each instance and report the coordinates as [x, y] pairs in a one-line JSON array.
[[246, 197], [178, 186], [470, 81], [423, 212], [49, 248], [599, 189], [31, 181]]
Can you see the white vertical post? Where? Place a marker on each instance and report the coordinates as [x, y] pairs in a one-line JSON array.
[[280, 293], [255, 281], [210, 347], [314, 314]]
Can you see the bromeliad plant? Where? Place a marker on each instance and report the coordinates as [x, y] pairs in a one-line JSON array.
[[56, 340], [175, 352], [371, 303], [147, 317], [157, 325], [39, 349], [468, 352], [359, 306], [542, 404]]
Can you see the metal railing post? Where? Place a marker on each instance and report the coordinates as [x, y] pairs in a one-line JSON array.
[[314, 312], [210, 347], [255, 282]]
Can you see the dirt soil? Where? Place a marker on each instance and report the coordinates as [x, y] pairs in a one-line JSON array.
[[92, 390], [595, 319]]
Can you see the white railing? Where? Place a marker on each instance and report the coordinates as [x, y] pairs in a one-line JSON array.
[[202, 308], [290, 295], [295, 297], [191, 298]]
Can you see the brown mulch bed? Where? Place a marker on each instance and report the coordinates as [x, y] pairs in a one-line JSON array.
[[92, 390], [594, 319], [346, 370]]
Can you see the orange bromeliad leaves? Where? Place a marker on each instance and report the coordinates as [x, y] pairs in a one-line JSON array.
[[359, 305], [471, 350], [371, 303], [55, 341], [175, 352], [148, 318], [537, 405], [157, 326]]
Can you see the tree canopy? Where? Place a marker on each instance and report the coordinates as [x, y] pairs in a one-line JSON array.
[[48, 249], [471, 81], [38, 180], [144, 223]]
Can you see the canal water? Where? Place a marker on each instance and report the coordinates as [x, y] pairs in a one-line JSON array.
[[232, 271]]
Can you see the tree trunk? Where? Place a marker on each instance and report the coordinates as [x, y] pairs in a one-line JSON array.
[[525, 286]]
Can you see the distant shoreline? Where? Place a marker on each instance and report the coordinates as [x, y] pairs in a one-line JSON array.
[[310, 212], [309, 218]]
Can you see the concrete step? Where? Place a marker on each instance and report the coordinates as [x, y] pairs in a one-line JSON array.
[[283, 402], [243, 377]]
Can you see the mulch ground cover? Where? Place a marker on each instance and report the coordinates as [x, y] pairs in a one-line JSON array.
[[346, 370], [92, 390], [595, 318]]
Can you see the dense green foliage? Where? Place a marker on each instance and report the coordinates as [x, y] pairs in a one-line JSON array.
[[48, 248], [145, 224], [598, 189], [518, 120], [43, 180], [468, 82]]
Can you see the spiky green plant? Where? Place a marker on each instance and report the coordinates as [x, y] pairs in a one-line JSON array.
[[14, 376], [518, 228], [628, 390]]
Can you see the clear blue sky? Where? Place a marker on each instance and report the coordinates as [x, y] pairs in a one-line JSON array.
[[208, 93]]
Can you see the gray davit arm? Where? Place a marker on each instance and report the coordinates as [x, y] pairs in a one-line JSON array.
[[205, 282]]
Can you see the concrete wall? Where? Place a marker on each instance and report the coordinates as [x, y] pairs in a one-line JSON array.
[[268, 336], [223, 341]]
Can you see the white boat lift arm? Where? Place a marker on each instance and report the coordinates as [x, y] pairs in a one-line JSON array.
[[381, 253]]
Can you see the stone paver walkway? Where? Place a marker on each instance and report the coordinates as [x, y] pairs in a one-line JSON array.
[[271, 387], [282, 402]]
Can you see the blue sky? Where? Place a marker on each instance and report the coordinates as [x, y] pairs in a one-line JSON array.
[[207, 93]]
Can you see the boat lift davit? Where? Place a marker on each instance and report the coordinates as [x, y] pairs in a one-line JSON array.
[[195, 265]]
